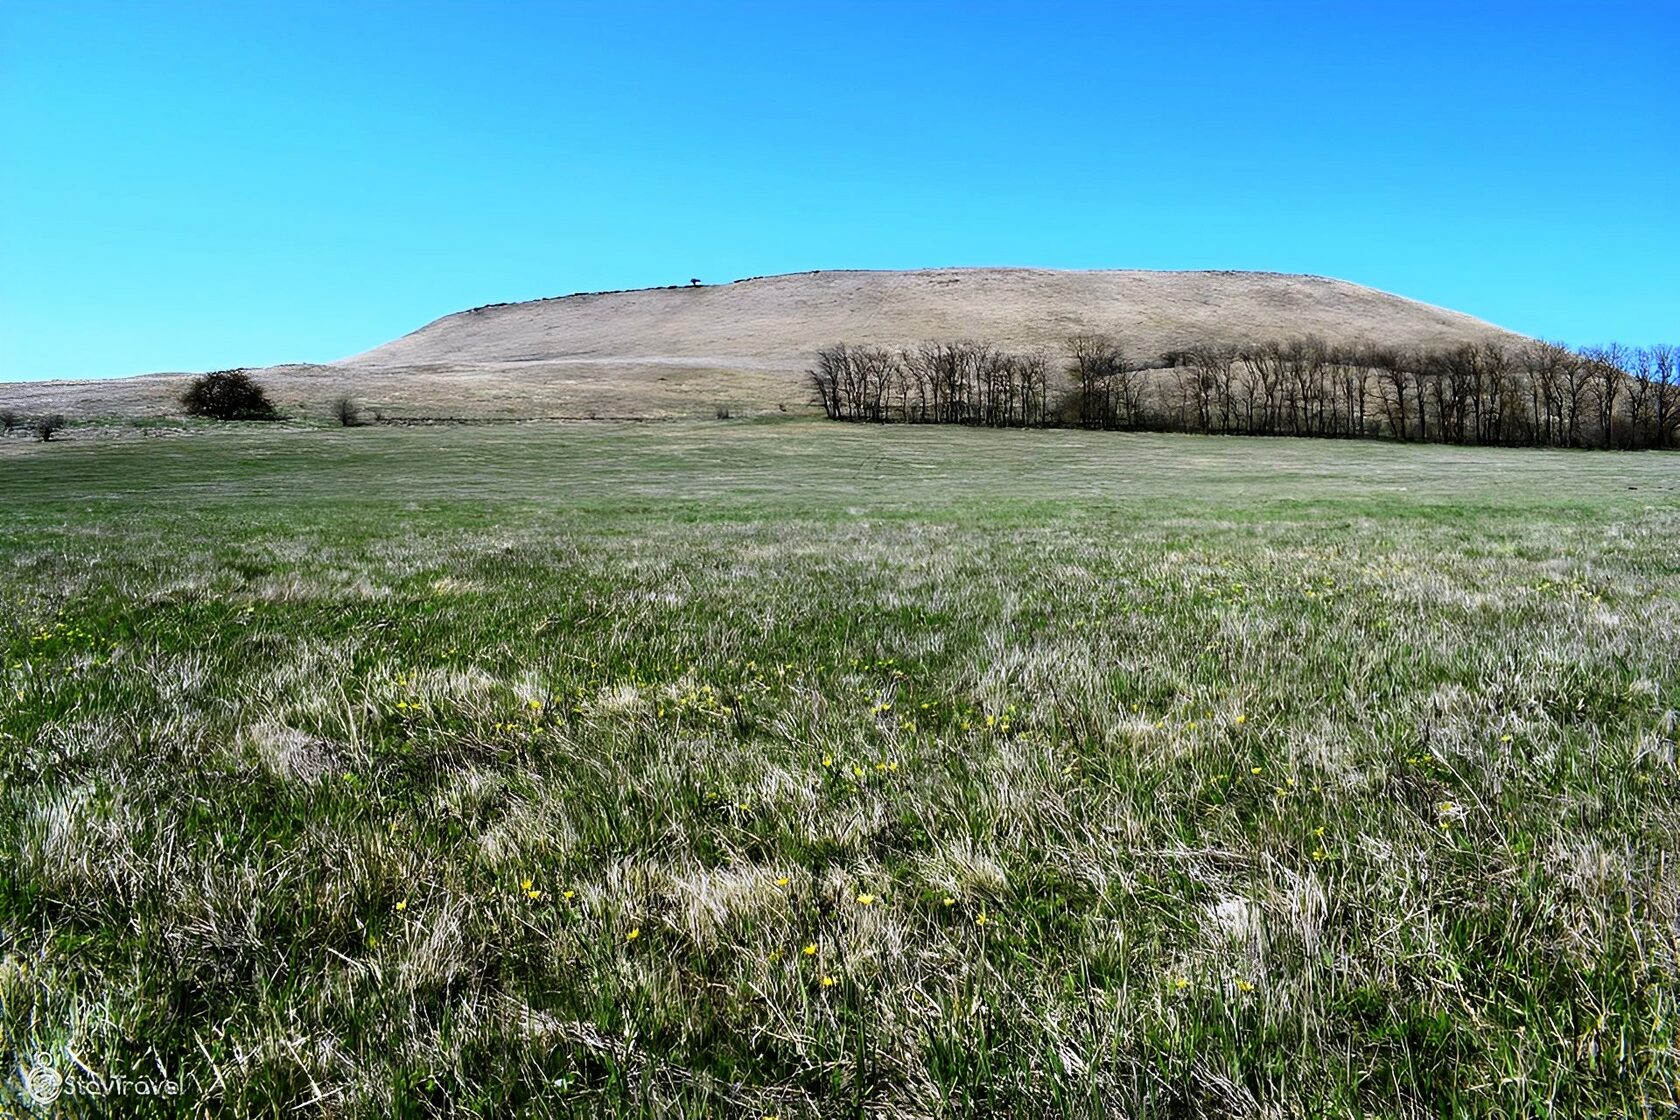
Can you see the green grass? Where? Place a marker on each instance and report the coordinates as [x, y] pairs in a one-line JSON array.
[[1290, 777]]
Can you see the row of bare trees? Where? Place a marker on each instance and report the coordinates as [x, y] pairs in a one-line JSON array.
[[934, 383], [1536, 393]]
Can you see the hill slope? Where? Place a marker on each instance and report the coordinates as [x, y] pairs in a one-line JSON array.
[[686, 350]]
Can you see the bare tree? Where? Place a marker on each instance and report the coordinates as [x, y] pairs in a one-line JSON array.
[[1496, 398], [1606, 378], [946, 369], [876, 371], [1355, 369], [829, 379], [1266, 366], [1394, 382], [1193, 409], [1563, 379], [1302, 363], [1555, 388], [1641, 398], [917, 377], [1093, 361], [1454, 383], [1033, 370], [1666, 405], [1127, 387]]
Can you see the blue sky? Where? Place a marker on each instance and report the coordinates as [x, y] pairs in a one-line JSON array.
[[201, 185]]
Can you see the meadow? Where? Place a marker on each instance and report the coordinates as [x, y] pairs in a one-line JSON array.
[[790, 769]]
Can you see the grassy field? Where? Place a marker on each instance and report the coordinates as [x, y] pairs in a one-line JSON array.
[[789, 769]]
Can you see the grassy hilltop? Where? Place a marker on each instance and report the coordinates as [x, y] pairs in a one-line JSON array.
[[685, 351], [802, 770]]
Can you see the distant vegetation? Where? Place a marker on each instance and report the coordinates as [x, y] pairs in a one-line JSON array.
[[347, 412], [935, 383], [43, 427], [1538, 394], [229, 394]]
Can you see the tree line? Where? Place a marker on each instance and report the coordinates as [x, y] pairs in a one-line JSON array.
[[934, 383], [1529, 394]]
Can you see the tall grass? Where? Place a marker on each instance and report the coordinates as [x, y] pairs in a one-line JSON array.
[[687, 777]]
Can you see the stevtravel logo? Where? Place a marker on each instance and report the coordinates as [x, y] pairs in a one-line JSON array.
[[43, 1085]]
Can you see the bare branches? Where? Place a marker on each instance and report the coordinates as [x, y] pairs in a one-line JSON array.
[[934, 383], [1536, 394]]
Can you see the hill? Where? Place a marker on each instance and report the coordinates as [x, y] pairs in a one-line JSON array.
[[685, 350]]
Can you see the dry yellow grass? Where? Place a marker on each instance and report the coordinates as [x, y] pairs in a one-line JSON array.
[[662, 352]]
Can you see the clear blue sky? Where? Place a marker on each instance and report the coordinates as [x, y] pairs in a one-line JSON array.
[[200, 185]]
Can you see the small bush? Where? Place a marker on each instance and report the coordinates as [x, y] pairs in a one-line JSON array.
[[346, 412], [48, 426], [8, 420], [228, 394], [723, 412]]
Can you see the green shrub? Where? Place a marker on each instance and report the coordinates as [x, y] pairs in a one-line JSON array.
[[346, 412], [228, 394]]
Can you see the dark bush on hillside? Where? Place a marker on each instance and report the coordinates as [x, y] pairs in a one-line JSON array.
[[48, 426], [8, 421], [228, 394], [346, 412]]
